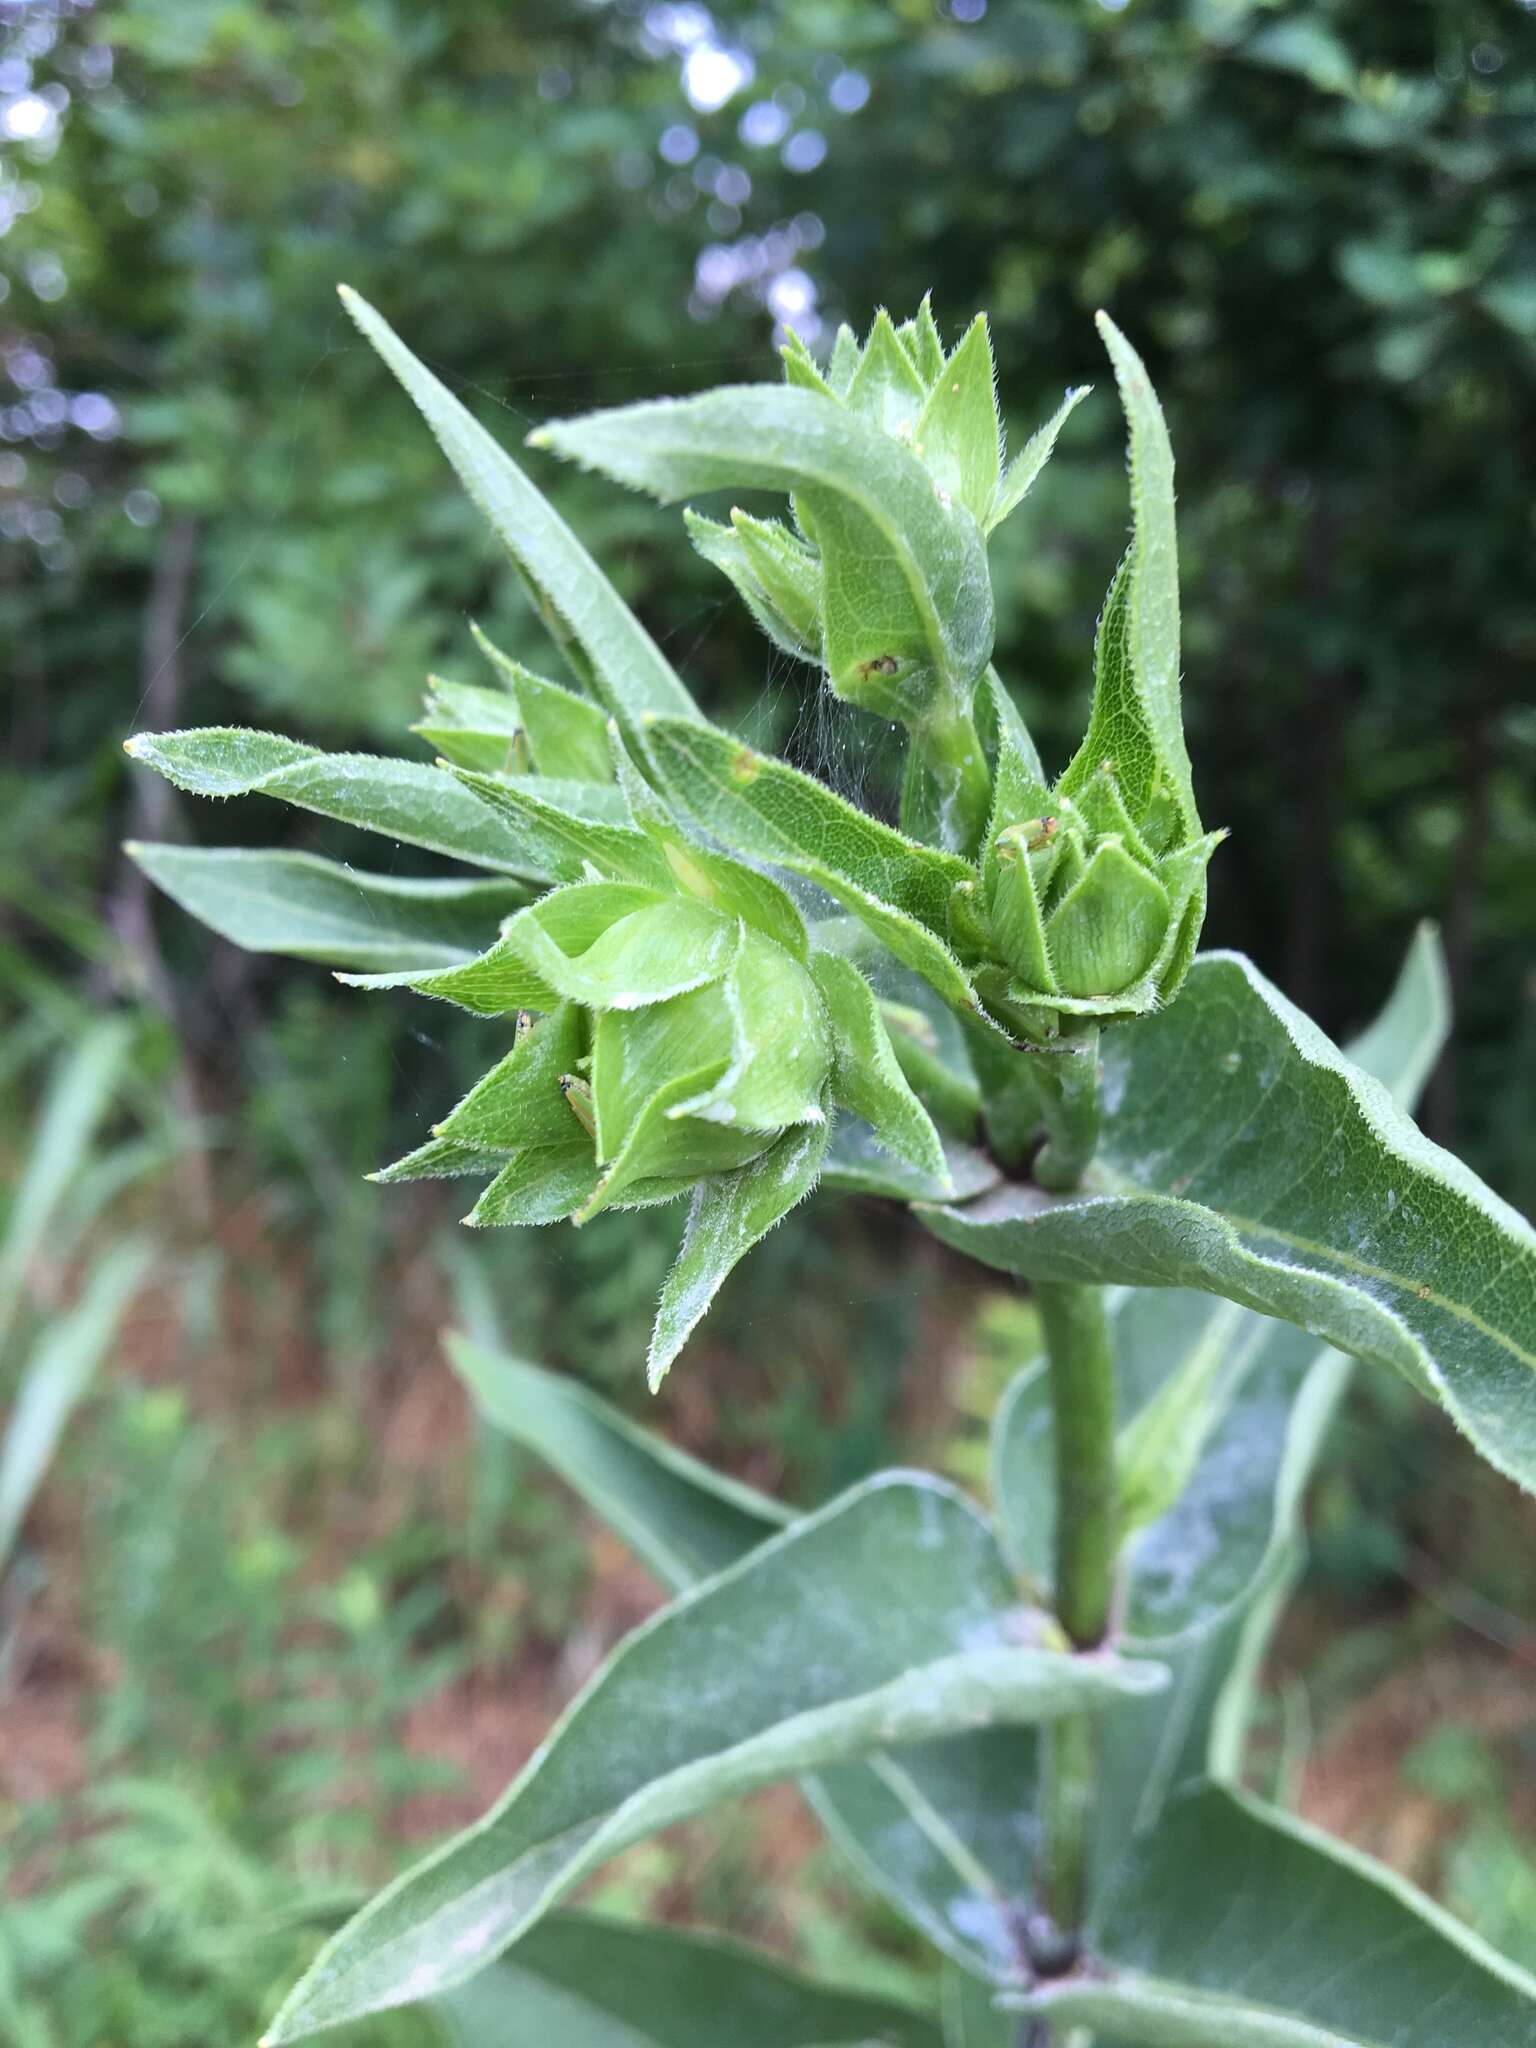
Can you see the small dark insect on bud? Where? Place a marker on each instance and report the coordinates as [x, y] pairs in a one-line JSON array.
[[1037, 833], [882, 665], [522, 1027]]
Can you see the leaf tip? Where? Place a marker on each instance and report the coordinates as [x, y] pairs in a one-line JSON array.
[[541, 437], [137, 745]]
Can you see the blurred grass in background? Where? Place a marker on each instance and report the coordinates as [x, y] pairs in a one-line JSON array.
[[279, 1610]]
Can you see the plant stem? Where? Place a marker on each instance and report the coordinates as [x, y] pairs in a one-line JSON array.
[[1082, 1383], [952, 751], [1083, 1410], [1069, 1087]]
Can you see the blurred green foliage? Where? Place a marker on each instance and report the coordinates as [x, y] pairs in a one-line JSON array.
[[1318, 222]]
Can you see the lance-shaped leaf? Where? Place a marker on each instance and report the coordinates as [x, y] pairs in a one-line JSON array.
[[1248, 1157], [407, 800], [731, 1212], [866, 1078], [905, 583], [567, 735], [581, 1982], [1026, 466], [628, 669], [887, 1618], [677, 1514], [571, 829], [1153, 597], [313, 909], [1234, 1926], [940, 1830]]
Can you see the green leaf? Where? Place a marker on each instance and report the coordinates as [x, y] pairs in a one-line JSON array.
[[471, 727], [858, 1164], [1019, 787], [577, 1981], [406, 800], [1026, 466], [1246, 1156], [896, 888], [516, 1123], [903, 580], [933, 1830], [631, 674], [313, 909], [887, 1618], [567, 834], [775, 574], [1400, 1047], [1118, 732], [866, 1078], [676, 1514], [497, 983], [1234, 1926], [1154, 575], [567, 735], [730, 1214], [959, 435], [613, 946], [56, 1378], [765, 807]]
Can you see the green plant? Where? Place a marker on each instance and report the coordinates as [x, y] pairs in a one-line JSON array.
[[1027, 1729]]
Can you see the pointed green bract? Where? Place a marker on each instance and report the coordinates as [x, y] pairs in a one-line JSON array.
[[567, 735], [1024, 470], [496, 983], [775, 574], [628, 667], [866, 1078], [728, 1217], [1154, 573], [645, 1743], [959, 435], [885, 389]]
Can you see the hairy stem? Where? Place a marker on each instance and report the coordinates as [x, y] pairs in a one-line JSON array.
[[1082, 1385], [1069, 1086]]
